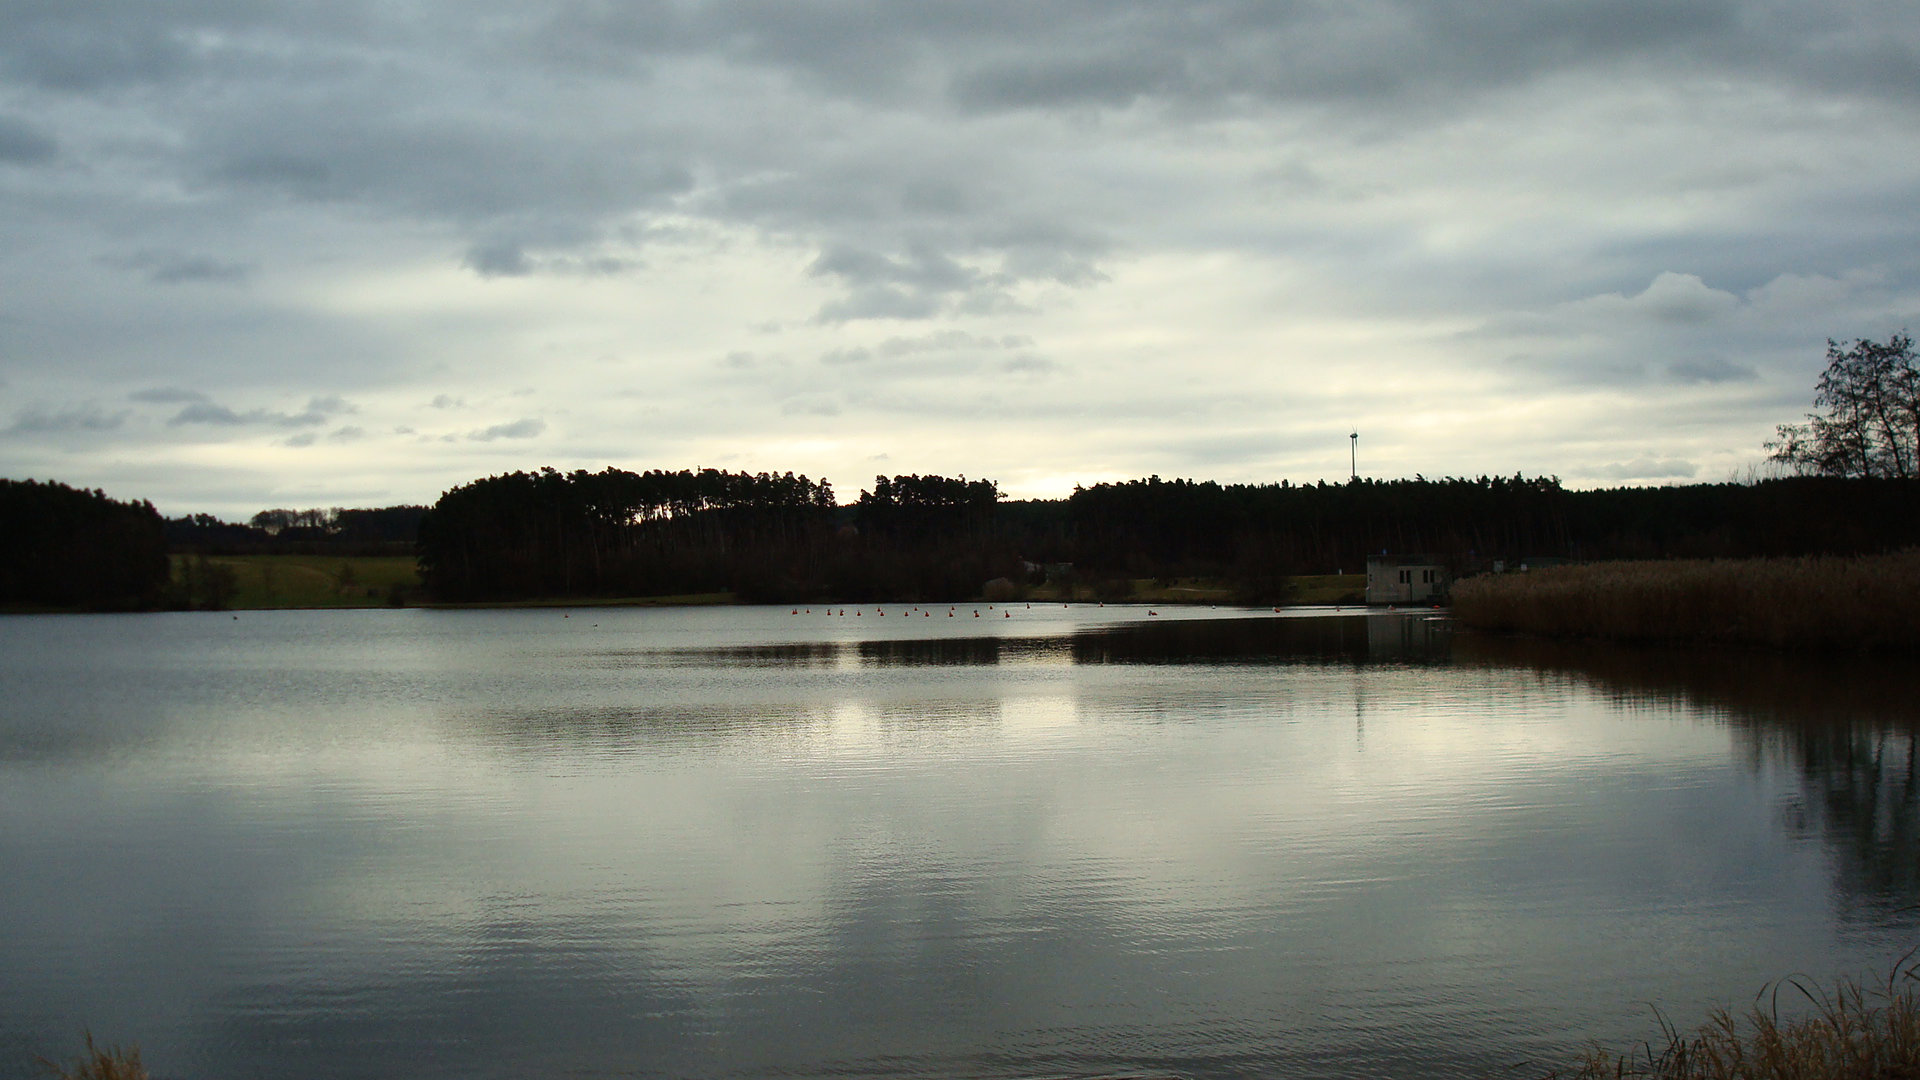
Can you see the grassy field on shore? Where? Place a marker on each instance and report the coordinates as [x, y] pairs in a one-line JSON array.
[[309, 581], [1863, 602], [1306, 589]]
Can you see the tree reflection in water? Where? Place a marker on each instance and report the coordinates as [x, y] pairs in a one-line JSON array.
[[1846, 726]]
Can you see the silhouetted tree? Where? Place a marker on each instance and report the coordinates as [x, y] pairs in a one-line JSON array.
[[1869, 425]]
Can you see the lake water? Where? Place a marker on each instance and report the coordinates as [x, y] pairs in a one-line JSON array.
[[736, 842]]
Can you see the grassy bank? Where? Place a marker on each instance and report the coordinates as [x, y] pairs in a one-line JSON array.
[[1329, 589], [307, 581], [1866, 602], [1302, 589]]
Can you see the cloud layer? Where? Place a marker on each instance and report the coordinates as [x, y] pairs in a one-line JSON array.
[[1045, 243]]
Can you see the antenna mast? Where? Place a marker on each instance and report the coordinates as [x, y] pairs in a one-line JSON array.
[[1354, 456]]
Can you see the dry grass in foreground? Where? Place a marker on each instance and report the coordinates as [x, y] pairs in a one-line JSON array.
[[1855, 1033], [100, 1063], [1863, 602]]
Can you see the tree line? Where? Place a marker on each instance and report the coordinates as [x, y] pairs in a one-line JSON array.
[[780, 537], [386, 530], [619, 533]]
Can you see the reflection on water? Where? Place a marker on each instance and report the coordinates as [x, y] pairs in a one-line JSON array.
[[1845, 725], [1351, 638], [1064, 842]]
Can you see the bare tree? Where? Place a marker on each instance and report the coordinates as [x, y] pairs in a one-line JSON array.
[[1870, 423]]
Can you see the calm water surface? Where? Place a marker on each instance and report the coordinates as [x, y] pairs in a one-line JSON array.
[[1039, 842]]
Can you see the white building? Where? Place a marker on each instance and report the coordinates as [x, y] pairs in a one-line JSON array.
[[1405, 579]]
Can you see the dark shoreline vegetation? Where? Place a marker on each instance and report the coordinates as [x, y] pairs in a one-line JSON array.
[[621, 536]]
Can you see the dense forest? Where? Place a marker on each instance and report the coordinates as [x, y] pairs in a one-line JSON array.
[[619, 533], [64, 547], [783, 538]]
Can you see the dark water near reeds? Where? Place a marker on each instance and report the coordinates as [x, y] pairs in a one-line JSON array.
[[740, 842]]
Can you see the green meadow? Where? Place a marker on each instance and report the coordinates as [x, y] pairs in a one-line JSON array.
[[308, 581]]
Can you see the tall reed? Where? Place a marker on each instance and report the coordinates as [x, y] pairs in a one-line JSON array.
[[1861, 602], [99, 1063], [1855, 1032]]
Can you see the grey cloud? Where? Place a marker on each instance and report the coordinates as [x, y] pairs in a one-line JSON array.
[[304, 176], [918, 285], [1036, 81], [216, 415], [1048, 250], [447, 401], [42, 421], [1711, 369], [1030, 365], [22, 143], [207, 412], [535, 178], [1005, 54], [76, 47], [498, 260], [510, 259], [166, 395], [855, 355], [923, 268], [175, 267], [518, 429], [879, 303], [303, 439]]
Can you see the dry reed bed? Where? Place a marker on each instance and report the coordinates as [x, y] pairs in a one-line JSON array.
[[1862, 602]]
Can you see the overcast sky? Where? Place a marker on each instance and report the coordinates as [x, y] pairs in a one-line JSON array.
[[258, 253]]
